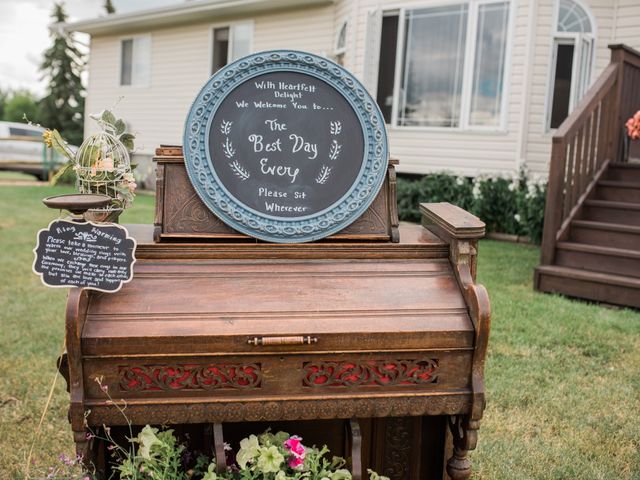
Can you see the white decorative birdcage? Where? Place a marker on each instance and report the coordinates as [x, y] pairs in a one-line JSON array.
[[103, 167]]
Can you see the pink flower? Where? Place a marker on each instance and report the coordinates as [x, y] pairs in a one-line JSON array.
[[633, 126], [295, 462], [295, 446]]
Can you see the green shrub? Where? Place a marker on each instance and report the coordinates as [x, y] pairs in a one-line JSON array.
[[496, 203], [436, 187], [513, 205], [531, 209]]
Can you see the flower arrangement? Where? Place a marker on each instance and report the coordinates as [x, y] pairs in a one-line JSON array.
[[156, 454], [633, 126], [101, 164]]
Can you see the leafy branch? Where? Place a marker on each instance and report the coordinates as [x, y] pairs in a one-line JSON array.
[[334, 150], [116, 127], [323, 175], [227, 148], [239, 170], [225, 127], [335, 127]]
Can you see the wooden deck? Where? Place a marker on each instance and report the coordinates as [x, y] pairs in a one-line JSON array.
[[591, 241]]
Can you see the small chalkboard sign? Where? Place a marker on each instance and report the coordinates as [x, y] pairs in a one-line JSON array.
[[85, 255], [286, 146]]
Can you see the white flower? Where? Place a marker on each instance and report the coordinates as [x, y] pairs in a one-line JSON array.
[[460, 181], [249, 449], [517, 217], [210, 474], [476, 189], [147, 439]]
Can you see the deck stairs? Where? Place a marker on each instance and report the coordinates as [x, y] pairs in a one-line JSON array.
[[600, 258], [591, 241]]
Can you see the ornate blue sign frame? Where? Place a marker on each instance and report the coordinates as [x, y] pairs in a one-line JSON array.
[[234, 213]]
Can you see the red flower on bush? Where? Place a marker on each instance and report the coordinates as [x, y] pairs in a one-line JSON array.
[[633, 126]]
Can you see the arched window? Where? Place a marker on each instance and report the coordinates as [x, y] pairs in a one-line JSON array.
[[341, 44], [572, 63]]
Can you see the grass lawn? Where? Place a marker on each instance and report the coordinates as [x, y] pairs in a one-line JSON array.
[[563, 376]]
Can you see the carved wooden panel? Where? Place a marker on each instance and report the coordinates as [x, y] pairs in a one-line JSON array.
[[399, 448], [370, 373], [189, 377], [180, 211], [375, 220], [184, 212]]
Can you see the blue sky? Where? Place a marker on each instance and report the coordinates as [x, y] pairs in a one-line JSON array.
[[24, 34]]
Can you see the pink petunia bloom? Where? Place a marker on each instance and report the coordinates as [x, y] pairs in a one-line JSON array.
[[294, 445], [295, 462]]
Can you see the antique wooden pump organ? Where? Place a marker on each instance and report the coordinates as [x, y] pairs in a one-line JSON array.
[[277, 286]]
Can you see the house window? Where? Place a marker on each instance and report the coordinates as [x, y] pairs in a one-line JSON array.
[[573, 48], [444, 66], [341, 44], [135, 61], [230, 43]]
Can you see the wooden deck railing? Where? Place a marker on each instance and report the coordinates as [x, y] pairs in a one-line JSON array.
[[587, 141]]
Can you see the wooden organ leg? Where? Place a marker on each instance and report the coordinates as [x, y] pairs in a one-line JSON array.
[[218, 448], [465, 436], [82, 439], [355, 440]]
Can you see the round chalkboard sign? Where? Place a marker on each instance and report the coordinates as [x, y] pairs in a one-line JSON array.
[[285, 146]]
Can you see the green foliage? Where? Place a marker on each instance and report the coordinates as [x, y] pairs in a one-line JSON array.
[[4, 96], [116, 127], [100, 166], [109, 8], [158, 456], [507, 205], [437, 187], [496, 203], [63, 106], [19, 105], [531, 210]]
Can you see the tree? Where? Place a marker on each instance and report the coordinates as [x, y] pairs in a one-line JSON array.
[[63, 106], [19, 105], [4, 96], [109, 8]]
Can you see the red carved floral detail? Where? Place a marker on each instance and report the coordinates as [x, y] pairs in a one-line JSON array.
[[189, 377], [377, 373]]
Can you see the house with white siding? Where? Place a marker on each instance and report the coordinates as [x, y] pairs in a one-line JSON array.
[[467, 86]]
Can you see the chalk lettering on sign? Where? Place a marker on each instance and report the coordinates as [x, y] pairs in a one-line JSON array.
[[274, 125], [299, 143], [279, 170], [84, 255], [280, 159]]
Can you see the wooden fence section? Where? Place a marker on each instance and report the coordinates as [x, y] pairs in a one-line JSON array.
[[587, 141]]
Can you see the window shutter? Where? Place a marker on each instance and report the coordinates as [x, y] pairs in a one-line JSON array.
[[372, 50]]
